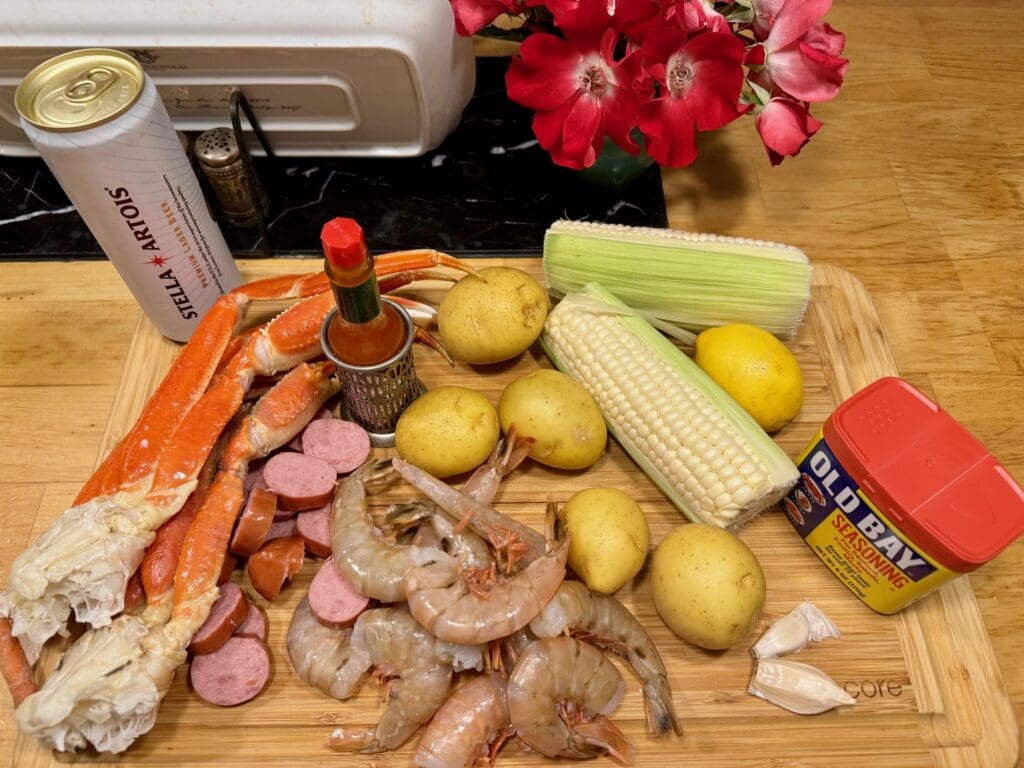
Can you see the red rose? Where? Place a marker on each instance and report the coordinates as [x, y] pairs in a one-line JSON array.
[[785, 126]]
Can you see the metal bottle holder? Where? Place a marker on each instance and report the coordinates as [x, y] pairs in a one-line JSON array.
[[376, 395]]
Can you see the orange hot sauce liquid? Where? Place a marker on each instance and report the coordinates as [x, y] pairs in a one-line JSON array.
[[366, 331], [368, 343]]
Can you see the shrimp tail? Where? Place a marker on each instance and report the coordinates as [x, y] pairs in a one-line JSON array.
[[602, 736], [661, 715], [374, 470], [512, 452]]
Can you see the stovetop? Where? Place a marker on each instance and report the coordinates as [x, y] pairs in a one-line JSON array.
[[488, 189]]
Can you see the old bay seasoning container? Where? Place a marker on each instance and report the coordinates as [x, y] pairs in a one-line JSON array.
[[897, 498], [98, 122]]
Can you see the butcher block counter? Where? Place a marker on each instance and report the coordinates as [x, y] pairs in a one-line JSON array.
[[914, 186]]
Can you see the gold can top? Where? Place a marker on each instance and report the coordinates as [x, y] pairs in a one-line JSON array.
[[78, 90]]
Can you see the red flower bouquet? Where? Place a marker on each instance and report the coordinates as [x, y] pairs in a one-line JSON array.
[[661, 70]]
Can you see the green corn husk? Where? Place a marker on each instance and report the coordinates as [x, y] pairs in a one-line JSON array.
[[693, 281]]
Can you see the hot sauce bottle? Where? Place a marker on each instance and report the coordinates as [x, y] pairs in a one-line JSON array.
[[366, 331]]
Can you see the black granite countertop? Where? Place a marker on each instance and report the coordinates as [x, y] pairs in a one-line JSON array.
[[488, 189]]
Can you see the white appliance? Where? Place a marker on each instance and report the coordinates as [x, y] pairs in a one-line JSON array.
[[338, 77]]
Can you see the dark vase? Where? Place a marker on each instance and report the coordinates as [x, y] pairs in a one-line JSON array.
[[615, 168]]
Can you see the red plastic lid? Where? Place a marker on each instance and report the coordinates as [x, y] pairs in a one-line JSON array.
[[927, 474], [344, 243]]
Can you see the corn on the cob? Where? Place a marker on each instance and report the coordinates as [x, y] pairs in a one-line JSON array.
[[702, 449], [694, 281]]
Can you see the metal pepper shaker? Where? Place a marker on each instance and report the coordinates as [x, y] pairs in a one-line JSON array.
[[238, 191]]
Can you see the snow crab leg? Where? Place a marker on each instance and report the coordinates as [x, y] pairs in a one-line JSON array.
[[83, 561], [108, 688]]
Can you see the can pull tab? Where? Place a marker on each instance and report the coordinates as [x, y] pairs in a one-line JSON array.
[[90, 84]]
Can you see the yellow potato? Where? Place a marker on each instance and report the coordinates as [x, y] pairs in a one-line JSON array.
[[492, 319], [708, 586], [609, 537], [559, 414], [447, 431]]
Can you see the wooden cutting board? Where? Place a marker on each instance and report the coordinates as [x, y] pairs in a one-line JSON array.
[[928, 690]]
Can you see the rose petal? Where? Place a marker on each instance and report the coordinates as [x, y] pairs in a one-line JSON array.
[[544, 75], [806, 74], [795, 18], [668, 126], [785, 127]]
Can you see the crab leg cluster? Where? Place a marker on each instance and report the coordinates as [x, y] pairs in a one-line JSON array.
[[84, 560]]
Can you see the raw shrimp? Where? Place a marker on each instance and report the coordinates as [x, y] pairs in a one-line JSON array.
[[495, 527], [323, 656], [375, 567], [470, 550], [435, 530], [456, 607], [482, 485], [558, 697], [399, 646], [471, 724], [606, 622], [508, 454]]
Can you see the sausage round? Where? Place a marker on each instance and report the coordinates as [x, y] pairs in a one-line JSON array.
[[254, 625], [254, 476], [229, 610], [333, 599], [342, 444], [274, 564], [227, 568], [233, 674], [254, 522], [281, 528], [314, 526], [300, 481]]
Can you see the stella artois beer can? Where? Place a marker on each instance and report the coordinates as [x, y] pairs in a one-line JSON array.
[[98, 122]]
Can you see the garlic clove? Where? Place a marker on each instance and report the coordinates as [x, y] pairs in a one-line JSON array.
[[787, 635], [804, 624], [797, 687], [821, 626]]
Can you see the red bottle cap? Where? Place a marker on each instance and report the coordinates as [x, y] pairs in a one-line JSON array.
[[344, 243], [927, 474]]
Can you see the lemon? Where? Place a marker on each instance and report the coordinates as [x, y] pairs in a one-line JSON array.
[[756, 369]]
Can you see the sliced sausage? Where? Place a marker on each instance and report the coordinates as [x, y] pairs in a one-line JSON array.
[[284, 514], [314, 526], [296, 442], [255, 623], [233, 674], [226, 614], [342, 444], [254, 476], [281, 528], [227, 568], [300, 481], [333, 599], [276, 562], [254, 522]]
